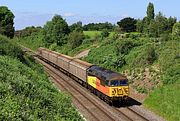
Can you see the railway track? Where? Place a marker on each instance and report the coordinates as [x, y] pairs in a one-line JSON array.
[[106, 112], [131, 114], [89, 105], [95, 112]]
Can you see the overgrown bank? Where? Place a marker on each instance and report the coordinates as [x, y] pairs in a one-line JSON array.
[[25, 91]]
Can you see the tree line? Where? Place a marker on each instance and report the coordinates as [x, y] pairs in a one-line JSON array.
[[58, 31]]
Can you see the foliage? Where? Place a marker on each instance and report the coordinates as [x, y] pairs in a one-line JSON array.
[[153, 29], [25, 91], [162, 23], [28, 31], [10, 49], [104, 33], [139, 26], [169, 62], [6, 22], [144, 56], [75, 39], [76, 27], [124, 46], [98, 26], [34, 41], [155, 25], [56, 31], [150, 11], [27, 94], [176, 30], [127, 24], [171, 22]]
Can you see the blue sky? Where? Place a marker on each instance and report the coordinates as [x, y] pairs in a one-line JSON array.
[[38, 12]]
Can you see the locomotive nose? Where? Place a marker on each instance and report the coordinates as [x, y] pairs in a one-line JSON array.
[[119, 91], [126, 90]]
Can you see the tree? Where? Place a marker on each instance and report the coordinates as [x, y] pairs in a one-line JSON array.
[[150, 11], [127, 24], [98, 26], [176, 30], [153, 29], [104, 33], [76, 26], [28, 31], [75, 39], [171, 22], [148, 18], [139, 26], [162, 23], [6, 22], [56, 31]]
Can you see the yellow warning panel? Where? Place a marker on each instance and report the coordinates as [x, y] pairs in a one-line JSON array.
[[92, 81], [119, 91]]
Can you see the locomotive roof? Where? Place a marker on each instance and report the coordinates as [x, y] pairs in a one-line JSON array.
[[105, 74]]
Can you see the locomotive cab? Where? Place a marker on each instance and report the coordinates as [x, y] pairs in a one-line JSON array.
[[112, 84]]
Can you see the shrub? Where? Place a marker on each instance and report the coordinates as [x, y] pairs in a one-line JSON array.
[[123, 47], [104, 33], [176, 31], [151, 55], [10, 49], [75, 39]]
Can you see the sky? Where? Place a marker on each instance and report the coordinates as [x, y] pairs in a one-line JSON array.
[[38, 12]]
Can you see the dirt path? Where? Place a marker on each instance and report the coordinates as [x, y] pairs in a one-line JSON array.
[[82, 54]]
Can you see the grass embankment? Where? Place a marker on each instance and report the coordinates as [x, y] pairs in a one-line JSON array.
[[165, 101], [25, 91]]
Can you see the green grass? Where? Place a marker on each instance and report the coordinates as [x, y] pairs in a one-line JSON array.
[[92, 34], [165, 101]]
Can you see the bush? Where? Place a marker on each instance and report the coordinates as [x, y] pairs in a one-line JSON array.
[[123, 47], [176, 31], [10, 49], [104, 33], [75, 39], [146, 56], [151, 55]]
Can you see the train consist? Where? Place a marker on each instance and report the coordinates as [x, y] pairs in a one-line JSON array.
[[108, 85]]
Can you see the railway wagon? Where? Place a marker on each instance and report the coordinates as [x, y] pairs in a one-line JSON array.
[[44, 53], [58, 59], [79, 69], [63, 61]]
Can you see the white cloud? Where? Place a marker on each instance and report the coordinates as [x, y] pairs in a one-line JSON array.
[[69, 14], [124, 15]]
